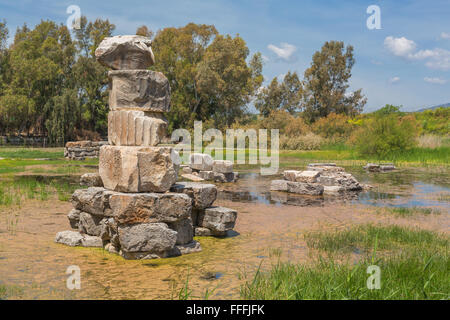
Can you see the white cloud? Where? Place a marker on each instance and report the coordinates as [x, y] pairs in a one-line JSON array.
[[435, 58], [399, 46], [435, 80], [445, 35], [394, 80], [265, 58], [285, 52]]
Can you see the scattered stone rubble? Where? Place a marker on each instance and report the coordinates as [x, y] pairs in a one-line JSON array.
[[80, 150], [373, 167], [317, 179], [202, 167], [133, 205]]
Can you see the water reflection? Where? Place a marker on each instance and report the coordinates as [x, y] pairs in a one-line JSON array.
[[399, 189]]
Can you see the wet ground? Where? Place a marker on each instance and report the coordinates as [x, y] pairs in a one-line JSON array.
[[269, 226]]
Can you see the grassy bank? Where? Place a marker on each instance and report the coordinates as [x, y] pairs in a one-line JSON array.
[[414, 264]]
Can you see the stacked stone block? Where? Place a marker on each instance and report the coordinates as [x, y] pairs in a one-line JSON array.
[[133, 206], [203, 167]]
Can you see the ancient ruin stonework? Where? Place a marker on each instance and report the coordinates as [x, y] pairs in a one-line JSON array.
[[81, 150], [203, 167], [133, 205], [319, 178]]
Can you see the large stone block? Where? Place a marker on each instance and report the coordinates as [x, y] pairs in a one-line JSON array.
[[91, 180], [342, 179], [217, 219], [313, 189], [203, 195], [94, 200], [74, 238], [125, 52], [147, 237], [222, 166], [136, 128], [142, 90], [307, 176], [138, 169], [279, 185], [184, 229], [90, 224], [132, 208], [201, 161]]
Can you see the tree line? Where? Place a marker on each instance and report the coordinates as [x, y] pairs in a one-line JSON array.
[[51, 84]]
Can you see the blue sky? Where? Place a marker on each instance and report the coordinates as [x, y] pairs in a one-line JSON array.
[[406, 62]]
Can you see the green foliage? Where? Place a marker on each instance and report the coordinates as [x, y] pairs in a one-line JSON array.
[[434, 121], [48, 84], [209, 75], [335, 127], [326, 83], [414, 264], [280, 96], [385, 134]]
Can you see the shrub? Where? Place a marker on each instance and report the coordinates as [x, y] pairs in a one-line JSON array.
[[386, 134], [335, 127], [309, 141]]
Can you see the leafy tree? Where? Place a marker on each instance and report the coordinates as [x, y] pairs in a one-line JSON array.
[[208, 74], [144, 31], [280, 96], [326, 83]]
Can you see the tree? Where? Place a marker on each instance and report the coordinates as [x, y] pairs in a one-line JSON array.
[[326, 83], [208, 74], [144, 31], [280, 96]]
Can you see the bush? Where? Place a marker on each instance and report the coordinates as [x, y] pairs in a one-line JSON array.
[[309, 141], [385, 134], [335, 127]]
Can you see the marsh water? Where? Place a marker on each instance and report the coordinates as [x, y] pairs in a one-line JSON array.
[[399, 188], [270, 226]]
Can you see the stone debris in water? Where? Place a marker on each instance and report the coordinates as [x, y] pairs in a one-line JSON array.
[[133, 207], [316, 180], [209, 169], [373, 167]]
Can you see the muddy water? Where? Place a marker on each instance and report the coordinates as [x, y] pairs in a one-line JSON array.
[[268, 227]]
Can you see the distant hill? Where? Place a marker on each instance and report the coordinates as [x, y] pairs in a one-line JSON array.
[[446, 105]]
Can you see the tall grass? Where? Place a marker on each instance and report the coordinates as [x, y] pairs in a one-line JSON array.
[[414, 264]]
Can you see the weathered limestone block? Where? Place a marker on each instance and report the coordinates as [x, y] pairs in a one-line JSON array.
[[192, 177], [147, 237], [142, 90], [387, 167], [204, 232], [186, 169], [222, 166], [290, 174], [345, 180], [79, 150], [322, 165], [325, 168], [333, 189], [136, 128], [90, 224], [74, 238], [307, 176], [184, 229], [313, 189], [201, 161], [224, 177], [74, 218], [217, 219], [125, 52], [94, 200], [203, 195], [138, 169], [279, 185], [132, 208], [206, 175], [91, 180]]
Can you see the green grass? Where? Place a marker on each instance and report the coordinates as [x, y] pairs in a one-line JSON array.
[[408, 212], [414, 264], [31, 153], [437, 156], [14, 192], [7, 290]]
